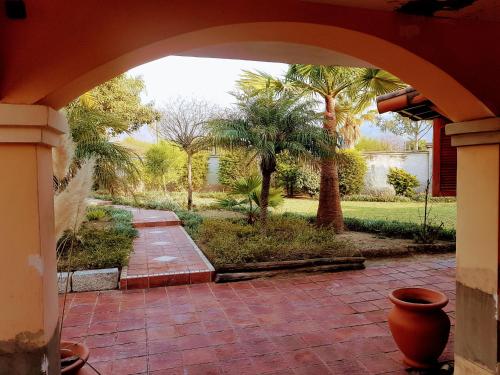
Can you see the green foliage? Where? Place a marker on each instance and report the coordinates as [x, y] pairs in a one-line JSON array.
[[246, 192], [190, 220], [112, 108], [352, 169], [235, 164], [396, 228], [296, 177], [308, 181], [96, 213], [102, 243], [373, 144], [121, 98], [287, 173], [163, 166], [283, 238], [421, 145], [404, 183], [381, 197], [270, 125], [199, 170]]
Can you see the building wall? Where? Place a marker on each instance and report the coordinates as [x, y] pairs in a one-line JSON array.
[[418, 163], [213, 170]]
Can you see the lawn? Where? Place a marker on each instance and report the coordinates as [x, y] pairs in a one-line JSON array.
[[404, 212]]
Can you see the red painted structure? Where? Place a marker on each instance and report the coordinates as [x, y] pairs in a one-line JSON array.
[[410, 103]]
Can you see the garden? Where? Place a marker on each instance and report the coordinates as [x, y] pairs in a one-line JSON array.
[[290, 180]]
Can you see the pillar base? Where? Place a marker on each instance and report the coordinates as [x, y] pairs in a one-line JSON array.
[[21, 355]]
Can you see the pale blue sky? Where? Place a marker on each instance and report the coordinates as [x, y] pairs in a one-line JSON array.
[[205, 78]]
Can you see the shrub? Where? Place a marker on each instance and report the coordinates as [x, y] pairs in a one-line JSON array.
[[352, 169], [396, 229], [190, 220], [96, 213], [375, 198], [235, 164], [98, 244], [404, 183], [163, 166], [308, 182], [420, 197], [284, 238]]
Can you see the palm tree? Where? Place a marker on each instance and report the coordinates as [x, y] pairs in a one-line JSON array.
[[269, 125], [91, 130], [250, 188], [338, 87]]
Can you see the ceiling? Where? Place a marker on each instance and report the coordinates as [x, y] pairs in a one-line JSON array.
[[483, 10]]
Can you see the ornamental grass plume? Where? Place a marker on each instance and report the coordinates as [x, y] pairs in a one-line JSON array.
[[70, 204], [62, 156]]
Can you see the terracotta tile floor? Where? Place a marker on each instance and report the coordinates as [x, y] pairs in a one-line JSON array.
[[163, 254], [152, 218], [302, 324]]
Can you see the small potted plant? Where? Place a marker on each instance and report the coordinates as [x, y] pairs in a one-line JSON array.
[[419, 325]]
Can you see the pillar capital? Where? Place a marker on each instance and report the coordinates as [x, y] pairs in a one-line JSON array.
[[475, 132], [34, 124]]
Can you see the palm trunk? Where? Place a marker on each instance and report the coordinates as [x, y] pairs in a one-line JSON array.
[[329, 208], [264, 195], [190, 180]]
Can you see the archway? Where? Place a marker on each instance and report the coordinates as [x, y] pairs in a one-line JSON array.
[[58, 53]]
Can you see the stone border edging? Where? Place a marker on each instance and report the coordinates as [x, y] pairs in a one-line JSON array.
[[250, 271], [89, 280]]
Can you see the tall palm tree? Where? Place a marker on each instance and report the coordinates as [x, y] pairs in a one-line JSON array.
[[336, 85], [269, 125]]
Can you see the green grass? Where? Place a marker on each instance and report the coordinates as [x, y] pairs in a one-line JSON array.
[[226, 241], [409, 212]]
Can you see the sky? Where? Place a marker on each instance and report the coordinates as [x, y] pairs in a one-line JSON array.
[[205, 78]]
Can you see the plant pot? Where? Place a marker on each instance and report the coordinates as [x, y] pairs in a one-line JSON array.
[[70, 349], [419, 325]]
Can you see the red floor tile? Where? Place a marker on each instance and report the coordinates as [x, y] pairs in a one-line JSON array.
[[272, 326]]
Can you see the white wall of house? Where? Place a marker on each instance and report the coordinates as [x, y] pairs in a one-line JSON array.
[[213, 170], [418, 163]]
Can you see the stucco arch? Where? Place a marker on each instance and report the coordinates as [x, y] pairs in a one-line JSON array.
[[448, 94]]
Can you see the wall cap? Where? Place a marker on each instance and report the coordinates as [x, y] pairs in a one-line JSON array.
[[25, 123], [474, 132]]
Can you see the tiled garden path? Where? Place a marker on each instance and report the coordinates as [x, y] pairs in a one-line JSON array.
[[300, 324], [164, 254]]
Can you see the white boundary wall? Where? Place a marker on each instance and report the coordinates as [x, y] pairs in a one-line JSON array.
[[418, 163]]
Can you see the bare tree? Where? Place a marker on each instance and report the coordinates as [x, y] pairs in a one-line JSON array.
[[413, 131], [184, 123]]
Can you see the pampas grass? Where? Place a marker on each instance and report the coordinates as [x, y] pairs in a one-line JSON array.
[[62, 156], [70, 204]]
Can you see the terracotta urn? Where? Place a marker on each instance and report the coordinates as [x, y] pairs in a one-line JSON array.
[[74, 355], [419, 325]]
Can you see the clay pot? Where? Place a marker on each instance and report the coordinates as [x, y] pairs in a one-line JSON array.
[[419, 325], [70, 349]]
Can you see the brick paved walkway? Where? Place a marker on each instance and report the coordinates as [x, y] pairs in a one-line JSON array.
[[164, 254], [303, 324]]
